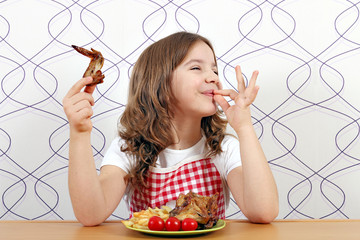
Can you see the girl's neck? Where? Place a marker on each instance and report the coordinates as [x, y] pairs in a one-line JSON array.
[[186, 134]]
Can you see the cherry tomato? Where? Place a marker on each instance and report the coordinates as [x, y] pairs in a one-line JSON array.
[[156, 223], [172, 224], [189, 224]]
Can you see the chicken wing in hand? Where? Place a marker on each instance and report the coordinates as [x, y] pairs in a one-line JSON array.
[[95, 65]]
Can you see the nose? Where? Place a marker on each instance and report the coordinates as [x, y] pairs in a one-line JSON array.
[[212, 77]]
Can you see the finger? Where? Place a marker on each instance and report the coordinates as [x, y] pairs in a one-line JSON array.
[[76, 88], [252, 89], [82, 105], [90, 89], [254, 93], [86, 113], [227, 92], [81, 96], [253, 79], [240, 79], [222, 102]]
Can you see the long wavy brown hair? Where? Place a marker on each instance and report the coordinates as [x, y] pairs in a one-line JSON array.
[[146, 124]]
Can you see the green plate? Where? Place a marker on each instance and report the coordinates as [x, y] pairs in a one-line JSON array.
[[219, 225]]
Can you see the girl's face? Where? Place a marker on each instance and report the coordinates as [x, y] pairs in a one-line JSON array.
[[193, 82]]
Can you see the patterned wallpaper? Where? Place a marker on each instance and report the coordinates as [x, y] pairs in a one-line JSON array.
[[306, 114]]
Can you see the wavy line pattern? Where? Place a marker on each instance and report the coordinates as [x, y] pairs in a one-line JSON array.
[[306, 115]]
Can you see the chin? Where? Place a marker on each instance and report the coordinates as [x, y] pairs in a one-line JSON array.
[[210, 111]]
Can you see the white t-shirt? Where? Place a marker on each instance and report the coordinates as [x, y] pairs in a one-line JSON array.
[[224, 162]]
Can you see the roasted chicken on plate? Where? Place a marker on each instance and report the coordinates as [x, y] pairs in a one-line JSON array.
[[200, 208]]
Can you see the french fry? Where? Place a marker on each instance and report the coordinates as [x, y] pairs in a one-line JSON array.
[[140, 219]]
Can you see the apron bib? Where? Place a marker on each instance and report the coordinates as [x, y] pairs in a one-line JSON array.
[[165, 184]]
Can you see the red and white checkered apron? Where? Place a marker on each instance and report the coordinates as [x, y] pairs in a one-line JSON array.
[[199, 176]]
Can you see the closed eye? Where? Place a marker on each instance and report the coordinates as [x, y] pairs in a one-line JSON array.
[[195, 68]]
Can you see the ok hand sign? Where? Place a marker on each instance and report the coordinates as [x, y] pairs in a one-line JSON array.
[[238, 115]]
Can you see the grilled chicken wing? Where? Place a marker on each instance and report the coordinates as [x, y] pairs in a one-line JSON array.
[[200, 208], [95, 65]]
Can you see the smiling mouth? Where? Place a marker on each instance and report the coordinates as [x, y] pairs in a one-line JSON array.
[[209, 93]]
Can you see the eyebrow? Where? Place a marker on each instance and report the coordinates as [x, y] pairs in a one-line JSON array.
[[200, 61]]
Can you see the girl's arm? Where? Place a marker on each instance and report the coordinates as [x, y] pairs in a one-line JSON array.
[[252, 185], [94, 197]]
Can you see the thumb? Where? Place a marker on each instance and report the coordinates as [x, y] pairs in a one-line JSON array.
[[90, 89]]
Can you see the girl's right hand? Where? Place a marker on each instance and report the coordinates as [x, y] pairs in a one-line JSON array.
[[78, 104]]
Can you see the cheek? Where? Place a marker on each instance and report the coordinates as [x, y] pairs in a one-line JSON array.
[[176, 89], [180, 94]]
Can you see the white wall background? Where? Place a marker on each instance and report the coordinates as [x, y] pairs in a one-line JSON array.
[[306, 114]]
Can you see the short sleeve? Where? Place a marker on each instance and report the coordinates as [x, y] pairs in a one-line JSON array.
[[232, 154], [115, 157], [229, 158]]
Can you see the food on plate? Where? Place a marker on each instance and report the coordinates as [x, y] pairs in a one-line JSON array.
[[189, 224], [200, 208], [172, 224], [192, 211], [95, 65], [141, 219]]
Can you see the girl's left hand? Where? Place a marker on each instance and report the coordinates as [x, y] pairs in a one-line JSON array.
[[238, 115]]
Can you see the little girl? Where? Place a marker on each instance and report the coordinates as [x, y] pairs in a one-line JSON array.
[[171, 138]]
